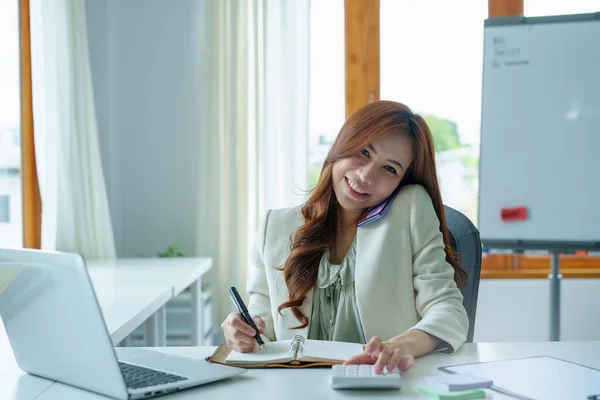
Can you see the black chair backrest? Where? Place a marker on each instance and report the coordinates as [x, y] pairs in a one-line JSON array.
[[464, 239]]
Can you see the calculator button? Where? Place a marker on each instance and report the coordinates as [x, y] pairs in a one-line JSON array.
[[363, 377]]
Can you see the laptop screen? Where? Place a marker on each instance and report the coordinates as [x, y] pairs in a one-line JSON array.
[[54, 322]]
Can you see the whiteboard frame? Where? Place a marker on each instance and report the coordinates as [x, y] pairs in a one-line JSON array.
[[522, 244]]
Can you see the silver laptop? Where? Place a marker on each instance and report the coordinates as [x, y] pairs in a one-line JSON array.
[[56, 330]]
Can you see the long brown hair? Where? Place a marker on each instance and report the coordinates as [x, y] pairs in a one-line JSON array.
[[320, 211]]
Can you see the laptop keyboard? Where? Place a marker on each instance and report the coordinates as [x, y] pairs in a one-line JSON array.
[[137, 377]]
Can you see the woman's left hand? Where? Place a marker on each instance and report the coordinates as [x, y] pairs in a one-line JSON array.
[[388, 354]]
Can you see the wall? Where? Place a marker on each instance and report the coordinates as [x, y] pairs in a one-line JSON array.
[[519, 310], [145, 59]]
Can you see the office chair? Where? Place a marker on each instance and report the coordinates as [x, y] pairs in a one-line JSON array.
[[464, 239]]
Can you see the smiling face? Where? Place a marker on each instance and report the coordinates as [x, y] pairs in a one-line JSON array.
[[369, 177]]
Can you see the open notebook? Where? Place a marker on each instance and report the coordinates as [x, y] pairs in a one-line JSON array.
[[297, 352]]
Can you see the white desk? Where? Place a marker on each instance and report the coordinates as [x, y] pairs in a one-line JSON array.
[[312, 383], [131, 291], [125, 307]]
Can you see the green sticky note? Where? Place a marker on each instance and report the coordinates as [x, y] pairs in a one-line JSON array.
[[440, 395]]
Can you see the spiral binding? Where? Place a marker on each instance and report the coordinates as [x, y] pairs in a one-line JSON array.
[[297, 346]]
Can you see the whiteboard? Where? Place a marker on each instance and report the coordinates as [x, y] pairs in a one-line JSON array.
[[543, 377], [540, 130]]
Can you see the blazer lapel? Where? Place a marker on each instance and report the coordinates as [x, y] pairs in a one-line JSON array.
[[379, 313], [364, 282]]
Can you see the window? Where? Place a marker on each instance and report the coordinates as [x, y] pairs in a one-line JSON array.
[[431, 60], [4, 209], [10, 159], [326, 103]]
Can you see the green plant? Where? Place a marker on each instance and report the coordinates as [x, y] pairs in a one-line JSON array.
[[171, 251], [445, 133]]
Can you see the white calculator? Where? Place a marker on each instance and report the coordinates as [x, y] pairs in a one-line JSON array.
[[363, 377]]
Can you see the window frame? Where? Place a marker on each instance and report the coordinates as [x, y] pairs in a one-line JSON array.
[[32, 203]]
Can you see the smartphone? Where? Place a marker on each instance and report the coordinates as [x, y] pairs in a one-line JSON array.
[[376, 212]]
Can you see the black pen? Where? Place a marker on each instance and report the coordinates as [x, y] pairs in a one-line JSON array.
[[241, 307]]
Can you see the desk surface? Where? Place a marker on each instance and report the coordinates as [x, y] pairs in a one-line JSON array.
[[178, 273], [130, 290], [125, 307], [312, 383]]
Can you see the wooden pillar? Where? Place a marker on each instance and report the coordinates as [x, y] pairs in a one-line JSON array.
[[505, 8], [32, 205], [362, 52]]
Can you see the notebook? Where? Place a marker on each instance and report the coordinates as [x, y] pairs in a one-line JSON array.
[[298, 352], [458, 382]]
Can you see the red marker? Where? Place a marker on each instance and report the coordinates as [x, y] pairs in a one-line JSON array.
[[513, 214]]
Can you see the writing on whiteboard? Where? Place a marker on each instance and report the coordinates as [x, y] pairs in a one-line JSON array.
[[513, 63], [505, 55]]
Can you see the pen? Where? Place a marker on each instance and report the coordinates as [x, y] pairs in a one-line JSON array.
[[241, 307]]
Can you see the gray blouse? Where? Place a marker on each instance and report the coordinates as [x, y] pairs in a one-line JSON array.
[[335, 313]]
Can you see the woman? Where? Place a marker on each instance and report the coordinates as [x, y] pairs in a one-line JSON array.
[[393, 282]]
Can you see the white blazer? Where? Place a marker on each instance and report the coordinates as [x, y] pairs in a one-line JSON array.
[[402, 280]]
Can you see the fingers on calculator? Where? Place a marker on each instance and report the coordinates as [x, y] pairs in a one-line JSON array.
[[363, 376]]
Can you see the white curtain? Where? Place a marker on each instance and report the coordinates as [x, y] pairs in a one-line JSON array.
[[254, 151], [75, 214]]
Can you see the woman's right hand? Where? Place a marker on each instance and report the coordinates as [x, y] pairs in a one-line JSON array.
[[239, 335]]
